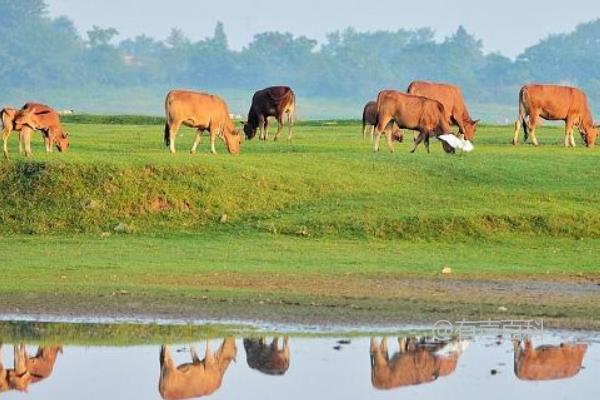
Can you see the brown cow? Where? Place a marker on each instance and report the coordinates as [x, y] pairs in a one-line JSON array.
[[40, 117], [555, 103], [415, 362], [268, 358], [198, 378], [369, 119], [274, 101], [417, 113], [202, 111], [27, 369], [454, 103], [547, 362]]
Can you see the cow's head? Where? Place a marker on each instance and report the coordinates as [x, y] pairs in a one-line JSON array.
[[470, 129], [233, 141], [589, 135], [62, 141], [249, 130]]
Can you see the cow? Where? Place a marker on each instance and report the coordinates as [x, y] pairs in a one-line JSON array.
[[369, 118], [555, 103], [202, 111], [269, 359], [274, 101], [427, 116], [415, 363], [39, 117], [454, 104], [547, 362], [198, 378]]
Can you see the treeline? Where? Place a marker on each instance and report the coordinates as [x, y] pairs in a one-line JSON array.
[[39, 52]]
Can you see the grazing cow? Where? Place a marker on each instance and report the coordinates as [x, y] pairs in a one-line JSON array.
[[454, 104], [547, 362], [202, 111], [198, 378], [27, 370], [417, 113], [369, 119], [39, 117], [268, 358], [275, 101], [555, 103], [415, 362]]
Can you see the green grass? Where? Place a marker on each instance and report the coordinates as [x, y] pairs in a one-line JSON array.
[[303, 220]]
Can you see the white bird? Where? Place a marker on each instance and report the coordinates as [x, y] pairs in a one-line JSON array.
[[457, 143]]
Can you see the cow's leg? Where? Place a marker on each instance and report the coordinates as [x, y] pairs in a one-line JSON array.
[[194, 355], [518, 123], [279, 126], [197, 141], [47, 141], [388, 138], [25, 137], [261, 126], [532, 126], [569, 140], [379, 129], [420, 138], [290, 120], [570, 127], [266, 128], [173, 130], [402, 344], [5, 135], [213, 137], [427, 143]]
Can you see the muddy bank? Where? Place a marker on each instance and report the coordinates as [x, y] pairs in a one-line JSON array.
[[358, 302]]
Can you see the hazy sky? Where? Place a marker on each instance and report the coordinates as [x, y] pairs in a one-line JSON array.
[[508, 26]]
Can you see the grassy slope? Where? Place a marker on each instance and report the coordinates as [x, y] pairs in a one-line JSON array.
[[300, 217]]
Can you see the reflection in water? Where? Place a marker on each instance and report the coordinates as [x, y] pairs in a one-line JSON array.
[[198, 378], [547, 362], [416, 362], [268, 358], [26, 369]]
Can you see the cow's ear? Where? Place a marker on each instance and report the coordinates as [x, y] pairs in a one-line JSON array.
[[476, 121], [242, 122]]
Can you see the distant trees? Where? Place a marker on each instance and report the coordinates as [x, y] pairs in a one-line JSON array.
[[37, 51]]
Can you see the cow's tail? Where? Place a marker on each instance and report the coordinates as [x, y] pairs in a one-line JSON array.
[[293, 108], [523, 99], [167, 134]]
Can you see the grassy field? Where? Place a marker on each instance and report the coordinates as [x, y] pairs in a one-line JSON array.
[[318, 230]]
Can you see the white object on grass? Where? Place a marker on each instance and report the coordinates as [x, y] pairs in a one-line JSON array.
[[457, 143]]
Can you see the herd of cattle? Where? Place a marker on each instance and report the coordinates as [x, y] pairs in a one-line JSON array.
[[417, 361], [429, 109]]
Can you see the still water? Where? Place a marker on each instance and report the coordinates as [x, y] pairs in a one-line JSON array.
[[309, 368]]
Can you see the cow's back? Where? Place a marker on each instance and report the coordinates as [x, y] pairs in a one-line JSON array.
[[553, 101], [449, 95], [197, 107]]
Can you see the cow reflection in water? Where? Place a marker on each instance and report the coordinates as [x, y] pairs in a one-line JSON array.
[[26, 369], [416, 362], [198, 378], [547, 362], [268, 358]]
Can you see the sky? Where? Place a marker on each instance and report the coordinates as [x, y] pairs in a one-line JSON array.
[[507, 26]]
